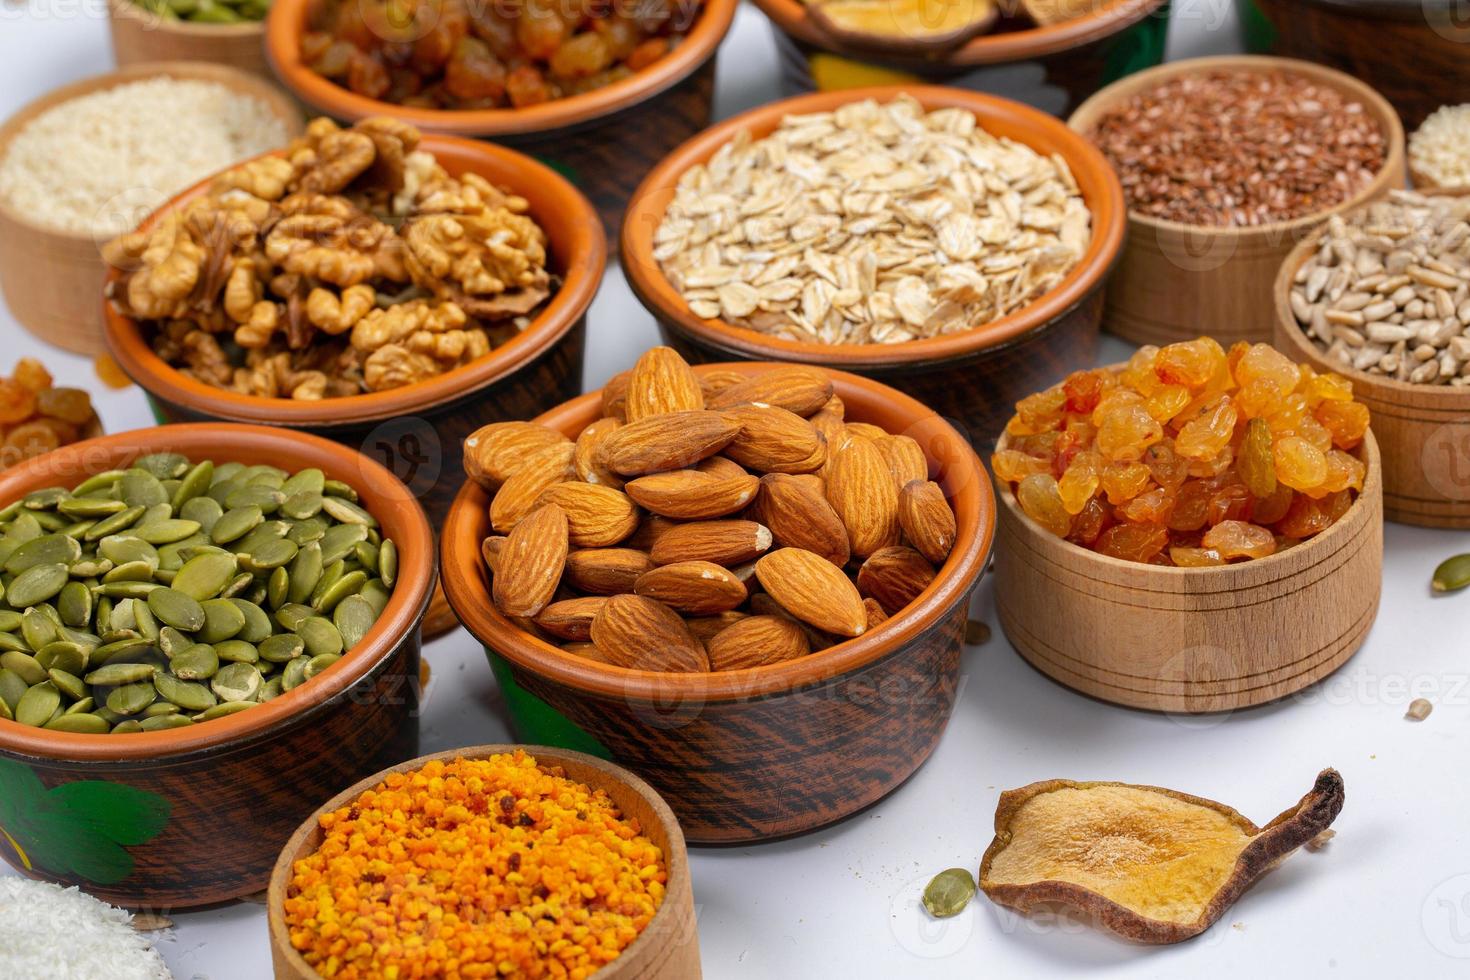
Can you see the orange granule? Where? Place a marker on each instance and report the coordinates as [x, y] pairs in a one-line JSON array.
[[491, 867]]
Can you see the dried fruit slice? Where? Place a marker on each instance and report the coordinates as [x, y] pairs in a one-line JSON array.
[[909, 26], [1150, 864]]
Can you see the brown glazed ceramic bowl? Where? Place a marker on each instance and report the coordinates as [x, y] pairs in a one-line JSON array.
[[772, 751], [194, 816], [604, 140], [416, 431], [973, 377], [667, 949]]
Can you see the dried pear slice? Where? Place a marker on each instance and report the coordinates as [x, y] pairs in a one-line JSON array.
[[1150, 864], [1049, 12], [904, 26]]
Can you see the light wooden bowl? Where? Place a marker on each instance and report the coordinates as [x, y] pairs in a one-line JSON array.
[[52, 279], [141, 36], [1178, 281], [1190, 640], [668, 949], [1424, 430]]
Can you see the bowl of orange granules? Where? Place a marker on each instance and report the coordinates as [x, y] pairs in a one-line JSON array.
[[495, 861], [1195, 530]]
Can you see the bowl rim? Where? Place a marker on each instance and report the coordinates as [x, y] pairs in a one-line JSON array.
[[987, 49], [286, 23], [1372, 487], [973, 501], [235, 79], [406, 606], [1383, 113], [1287, 327], [128, 10], [676, 859], [585, 264], [650, 201]]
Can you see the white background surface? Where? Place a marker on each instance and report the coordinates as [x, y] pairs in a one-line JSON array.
[[1389, 897]]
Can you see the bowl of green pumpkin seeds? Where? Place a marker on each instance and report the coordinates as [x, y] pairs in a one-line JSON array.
[[205, 631], [222, 32]]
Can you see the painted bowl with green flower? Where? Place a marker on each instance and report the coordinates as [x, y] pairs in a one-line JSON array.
[[191, 816]]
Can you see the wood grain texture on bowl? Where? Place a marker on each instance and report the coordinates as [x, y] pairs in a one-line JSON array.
[[1190, 640], [229, 791], [139, 35], [772, 751], [52, 279], [974, 376], [604, 140], [1412, 52], [667, 949], [1423, 431], [1177, 281]]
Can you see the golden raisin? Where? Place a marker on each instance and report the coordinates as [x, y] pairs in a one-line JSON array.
[[110, 373], [33, 374], [17, 402], [68, 404]]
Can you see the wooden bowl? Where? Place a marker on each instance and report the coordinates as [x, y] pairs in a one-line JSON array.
[[1190, 640], [975, 376], [604, 140], [138, 35], [51, 279], [416, 431], [1424, 430], [1413, 52], [1052, 68], [667, 949], [755, 754], [190, 817], [1178, 281]]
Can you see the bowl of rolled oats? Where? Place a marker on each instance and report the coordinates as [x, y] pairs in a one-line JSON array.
[[951, 244]]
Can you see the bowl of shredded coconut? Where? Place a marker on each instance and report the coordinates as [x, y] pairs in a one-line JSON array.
[[1439, 150], [90, 160], [52, 933]]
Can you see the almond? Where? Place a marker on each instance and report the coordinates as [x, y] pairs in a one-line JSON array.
[[800, 517], [861, 490], [927, 519], [895, 577], [721, 466], [606, 571], [615, 396], [667, 442], [597, 516], [587, 651], [904, 458], [763, 605], [662, 382], [493, 453], [517, 496], [721, 542], [716, 381], [490, 550], [813, 590], [570, 619], [800, 390], [773, 440], [587, 457], [835, 409], [691, 495], [642, 634], [705, 627], [531, 562], [864, 430], [756, 641], [649, 531], [698, 588], [876, 614]]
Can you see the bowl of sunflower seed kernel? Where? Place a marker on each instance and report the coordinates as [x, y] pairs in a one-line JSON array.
[[374, 285], [949, 243]]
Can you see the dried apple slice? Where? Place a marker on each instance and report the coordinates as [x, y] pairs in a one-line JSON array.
[[1150, 864], [906, 26]]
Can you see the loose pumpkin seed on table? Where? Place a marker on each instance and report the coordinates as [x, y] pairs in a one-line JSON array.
[[177, 591]]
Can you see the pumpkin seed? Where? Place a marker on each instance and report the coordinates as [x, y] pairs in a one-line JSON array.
[[146, 626], [264, 534], [282, 648], [235, 524], [308, 530], [64, 655], [949, 893], [206, 510], [193, 484], [319, 663], [205, 576], [90, 568], [163, 466], [222, 620], [9, 620], [160, 708], [186, 694], [139, 488], [278, 587], [45, 499], [242, 584], [302, 505], [305, 572], [131, 571], [13, 686], [227, 471], [269, 556], [167, 531], [320, 636], [337, 542], [48, 549], [128, 727], [336, 488], [198, 663], [173, 642], [127, 590], [376, 592], [123, 548], [6, 713], [85, 705], [38, 704], [349, 584], [69, 684], [130, 699], [237, 652], [75, 604], [271, 690], [224, 710], [80, 724], [36, 584], [91, 507], [114, 674], [236, 682], [10, 641], [353, 617], [294, 674], [329, 578], [119, 651], [176, 609], [292, 615], [37, 628], [258, 624], [165, 722], [267, 499], [105, 480], [23, 528]]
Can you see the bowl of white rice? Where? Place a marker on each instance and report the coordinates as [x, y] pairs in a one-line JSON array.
[[92, 159]]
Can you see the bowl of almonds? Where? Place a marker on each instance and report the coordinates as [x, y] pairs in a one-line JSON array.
[[951, 244], [739, 580]]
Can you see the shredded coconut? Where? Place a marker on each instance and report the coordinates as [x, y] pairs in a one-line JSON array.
[[53, 933], [1440, 148], [99, 163]]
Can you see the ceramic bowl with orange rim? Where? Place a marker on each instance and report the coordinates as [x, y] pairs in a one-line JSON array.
[[416, 430], [198, 815], [973, 376], [765, 752], [604, 140]]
